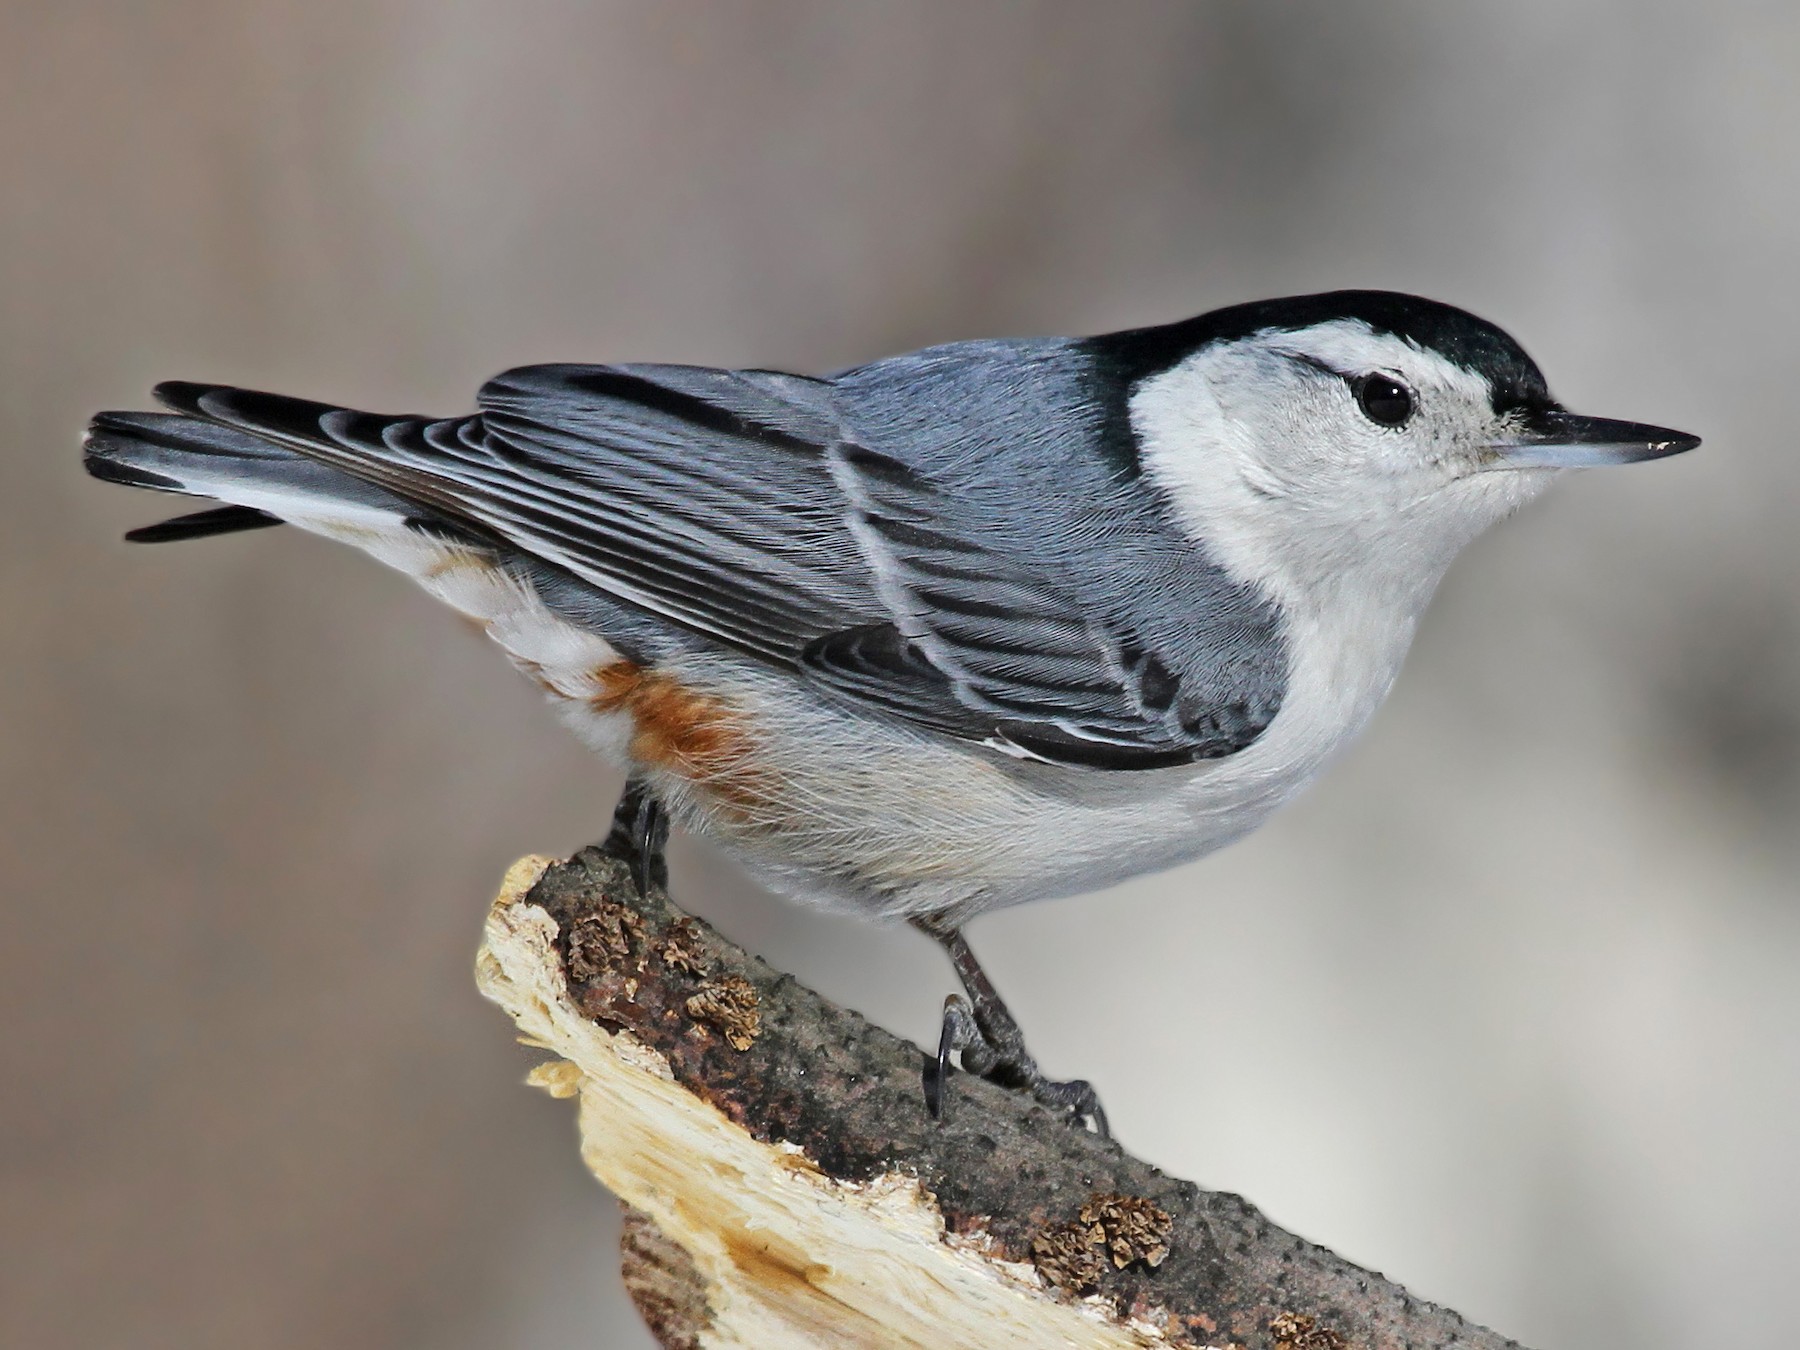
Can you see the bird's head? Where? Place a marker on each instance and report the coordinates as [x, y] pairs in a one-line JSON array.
[[1361, 434]]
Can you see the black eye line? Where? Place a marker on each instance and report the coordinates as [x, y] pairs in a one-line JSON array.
[[1318, 365]]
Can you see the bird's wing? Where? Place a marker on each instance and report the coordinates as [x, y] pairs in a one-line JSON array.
[[1050, 677], [732, 504]]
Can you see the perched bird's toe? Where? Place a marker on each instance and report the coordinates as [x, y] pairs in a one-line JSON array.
[[998, 1054], [639, 834]]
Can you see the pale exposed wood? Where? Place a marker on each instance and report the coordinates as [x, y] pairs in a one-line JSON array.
[[738, 1235]]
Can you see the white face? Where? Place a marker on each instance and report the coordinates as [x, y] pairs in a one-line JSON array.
[[1328, 456]]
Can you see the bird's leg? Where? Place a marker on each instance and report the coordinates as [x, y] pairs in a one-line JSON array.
[[640, 828], [985, 1033]]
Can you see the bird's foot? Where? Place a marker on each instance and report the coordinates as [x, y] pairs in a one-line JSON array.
[[640, 829], [997, 1053], [984, 1032]]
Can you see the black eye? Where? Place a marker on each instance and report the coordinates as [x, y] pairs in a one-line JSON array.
[[1383, 400]]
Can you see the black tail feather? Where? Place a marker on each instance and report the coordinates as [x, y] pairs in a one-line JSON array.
[[221, 520], [107, 468]]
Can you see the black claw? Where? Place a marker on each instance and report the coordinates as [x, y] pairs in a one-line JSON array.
[[640, 830], [650, 834], [959, 1033], [937, 1075]]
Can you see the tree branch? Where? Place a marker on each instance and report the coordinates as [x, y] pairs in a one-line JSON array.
[[784, 1185]]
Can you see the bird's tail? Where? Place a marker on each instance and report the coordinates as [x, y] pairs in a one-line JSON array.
[[269, 458], [261, 481]]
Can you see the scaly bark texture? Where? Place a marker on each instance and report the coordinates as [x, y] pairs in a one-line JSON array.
[[785, 1186]]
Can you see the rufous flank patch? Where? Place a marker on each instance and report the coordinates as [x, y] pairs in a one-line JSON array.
[[694, 736]]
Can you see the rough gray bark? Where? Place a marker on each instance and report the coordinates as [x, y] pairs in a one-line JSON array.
[[1069, 1223]]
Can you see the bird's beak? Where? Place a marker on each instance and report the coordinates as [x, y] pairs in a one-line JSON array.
[[1554, 439]]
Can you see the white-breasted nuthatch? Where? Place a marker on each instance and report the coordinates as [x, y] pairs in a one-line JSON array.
[[980, 624]]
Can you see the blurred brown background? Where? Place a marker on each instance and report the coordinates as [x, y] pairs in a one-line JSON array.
[[1508, 1006]]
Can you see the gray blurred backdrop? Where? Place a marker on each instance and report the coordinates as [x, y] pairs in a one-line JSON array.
[[1507, 1007]]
